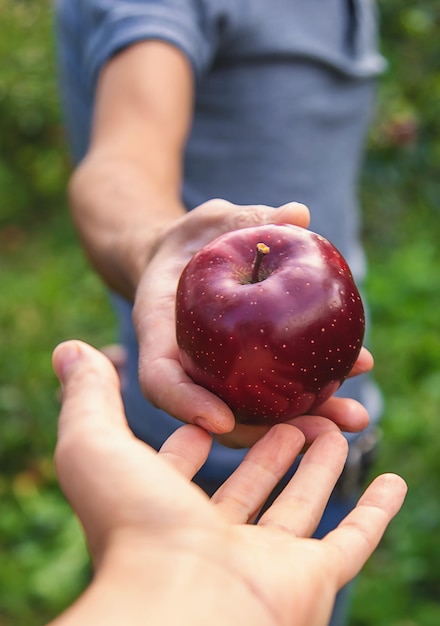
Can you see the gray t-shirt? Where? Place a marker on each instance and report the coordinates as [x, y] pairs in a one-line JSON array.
[[284, 92]]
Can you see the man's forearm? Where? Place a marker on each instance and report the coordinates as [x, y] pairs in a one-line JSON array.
[[119, 216]]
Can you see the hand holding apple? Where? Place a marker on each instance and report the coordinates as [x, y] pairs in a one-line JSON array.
[[269, 319], [161, 375]]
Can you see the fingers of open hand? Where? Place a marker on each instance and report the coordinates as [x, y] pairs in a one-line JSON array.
[[245, 436], [187, 450], [357, 536], [299, 507], [312, 426], [240, 498]]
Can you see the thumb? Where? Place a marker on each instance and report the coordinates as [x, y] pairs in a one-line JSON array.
[[92, 438], [292, 213], [91, 396]]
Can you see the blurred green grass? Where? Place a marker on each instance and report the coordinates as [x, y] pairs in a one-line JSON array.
[[48, 294]]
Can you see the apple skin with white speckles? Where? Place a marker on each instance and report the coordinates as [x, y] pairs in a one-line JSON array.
[[278, 347]]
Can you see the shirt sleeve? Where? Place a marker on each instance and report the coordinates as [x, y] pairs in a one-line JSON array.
[[112, 25]]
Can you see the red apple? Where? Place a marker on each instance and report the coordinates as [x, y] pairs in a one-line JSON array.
[[269, 319]]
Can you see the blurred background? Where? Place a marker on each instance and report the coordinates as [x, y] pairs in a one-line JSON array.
[[48, 294]]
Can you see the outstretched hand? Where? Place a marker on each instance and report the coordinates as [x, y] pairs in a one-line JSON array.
[[163, 552], [162, 378]]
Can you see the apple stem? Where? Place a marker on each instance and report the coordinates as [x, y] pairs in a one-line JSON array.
[[261, 251]]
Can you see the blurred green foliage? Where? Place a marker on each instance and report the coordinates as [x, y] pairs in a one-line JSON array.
[[33, 162], [48, 293]]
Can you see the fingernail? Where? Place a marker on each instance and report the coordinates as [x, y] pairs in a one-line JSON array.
[[64, 356]]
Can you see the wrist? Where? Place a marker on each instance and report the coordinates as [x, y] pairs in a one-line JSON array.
[[176, 584], [167, 584], [119, 216]]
